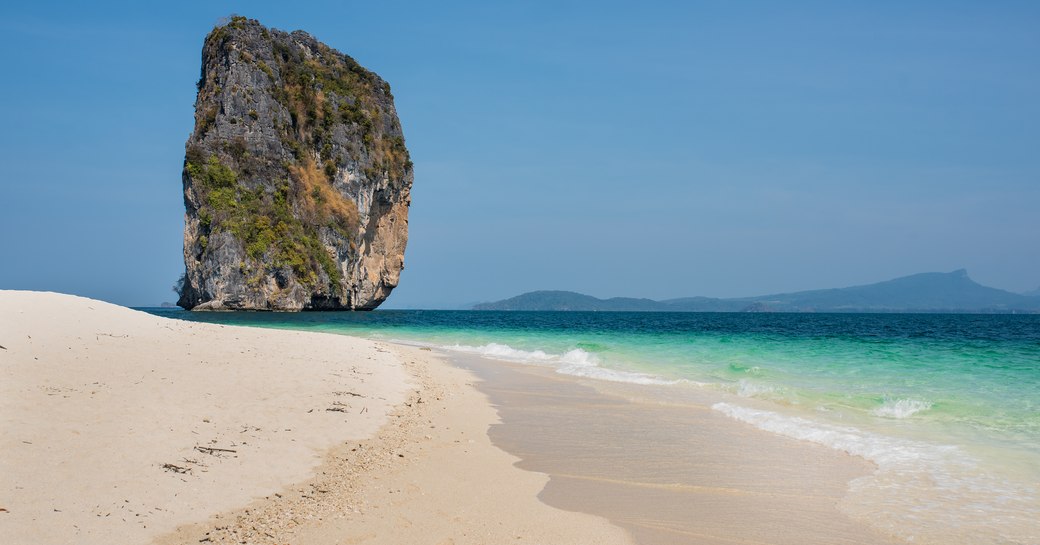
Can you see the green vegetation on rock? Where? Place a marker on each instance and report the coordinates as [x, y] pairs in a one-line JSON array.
[[290, 136], [263, 221]]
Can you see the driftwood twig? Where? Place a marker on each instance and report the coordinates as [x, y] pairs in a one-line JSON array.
[[213, 450], [176, 468]]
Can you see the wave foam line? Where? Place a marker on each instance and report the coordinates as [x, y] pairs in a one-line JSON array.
[[924, 493], [884, 451], [575, 362], [746, 388], [901, 408]]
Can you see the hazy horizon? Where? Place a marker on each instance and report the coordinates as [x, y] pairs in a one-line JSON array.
[[663, 151], [467, 305]]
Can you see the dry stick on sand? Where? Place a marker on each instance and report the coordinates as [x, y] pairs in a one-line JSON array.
[[213, 450]]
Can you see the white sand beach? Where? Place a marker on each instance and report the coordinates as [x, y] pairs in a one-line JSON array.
[[117, 426]]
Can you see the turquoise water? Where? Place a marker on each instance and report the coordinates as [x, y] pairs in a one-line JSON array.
[[947, 406]]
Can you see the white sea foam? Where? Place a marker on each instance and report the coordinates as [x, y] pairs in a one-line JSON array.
[[884, 451], [920, 491], [575, 362], [901, 408], [747, 388]]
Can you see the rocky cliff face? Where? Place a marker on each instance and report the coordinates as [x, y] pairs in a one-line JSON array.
[[296, 178]]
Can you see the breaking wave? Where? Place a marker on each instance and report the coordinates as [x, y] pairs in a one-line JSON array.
[[575, 362], [901, 408]]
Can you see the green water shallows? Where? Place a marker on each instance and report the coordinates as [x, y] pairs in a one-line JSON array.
[[948, 406]]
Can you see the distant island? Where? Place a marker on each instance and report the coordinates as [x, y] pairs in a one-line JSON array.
[[925, 292]]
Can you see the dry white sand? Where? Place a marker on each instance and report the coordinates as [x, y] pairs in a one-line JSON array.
[[117, 426], [96, 399]]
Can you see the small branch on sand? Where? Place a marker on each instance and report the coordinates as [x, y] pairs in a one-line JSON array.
[[213, 450], [176, 468], [337, 409], [112, 335], [363, 410], [2, 346], [352, 394]]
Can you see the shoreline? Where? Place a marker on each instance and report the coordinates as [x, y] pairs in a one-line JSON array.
[[417, 468], [121, 426], [454, 448], [670, 469]]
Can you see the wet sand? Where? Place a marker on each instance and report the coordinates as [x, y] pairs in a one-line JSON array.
[[669, 472]]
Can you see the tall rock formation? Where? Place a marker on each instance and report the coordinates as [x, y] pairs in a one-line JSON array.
[[296, 178]]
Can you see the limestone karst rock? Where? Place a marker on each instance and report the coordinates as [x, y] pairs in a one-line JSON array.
[[296, 178]]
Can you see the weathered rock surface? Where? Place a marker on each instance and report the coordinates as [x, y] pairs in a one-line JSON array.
[[296, 178]]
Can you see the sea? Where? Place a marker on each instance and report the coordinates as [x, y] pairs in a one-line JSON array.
[[946, 406]]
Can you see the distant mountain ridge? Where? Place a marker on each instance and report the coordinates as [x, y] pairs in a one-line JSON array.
[[925, 292]]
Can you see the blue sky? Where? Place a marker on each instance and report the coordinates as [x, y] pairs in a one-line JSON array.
[[659, 150]]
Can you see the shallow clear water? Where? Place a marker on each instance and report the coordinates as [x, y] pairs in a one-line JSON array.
[[947, 406]]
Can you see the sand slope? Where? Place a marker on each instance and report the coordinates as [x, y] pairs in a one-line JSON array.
[[95, 399]]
